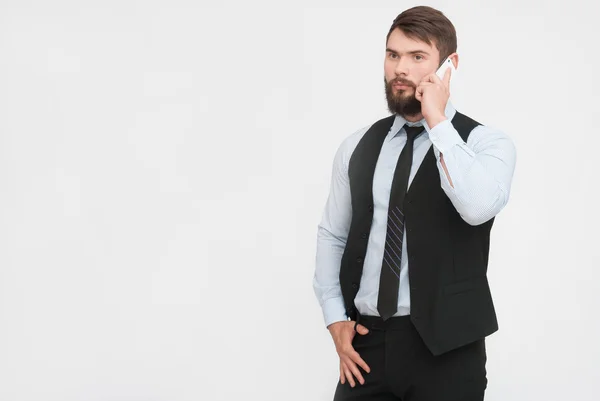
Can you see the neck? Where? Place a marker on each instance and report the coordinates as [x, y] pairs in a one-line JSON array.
[[414, 118]]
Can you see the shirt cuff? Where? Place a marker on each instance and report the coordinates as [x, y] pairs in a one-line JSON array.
[[334, 311], [444, 136]]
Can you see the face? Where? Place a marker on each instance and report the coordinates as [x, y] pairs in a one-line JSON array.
[[407, 62]]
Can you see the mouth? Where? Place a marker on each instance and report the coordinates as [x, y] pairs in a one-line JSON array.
[[400, 86]]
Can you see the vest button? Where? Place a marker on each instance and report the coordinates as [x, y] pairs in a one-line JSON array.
[[354, 285], [359, 260], [364, 235], [370, 208]]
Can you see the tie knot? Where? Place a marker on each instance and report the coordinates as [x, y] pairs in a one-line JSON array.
[[412, 132]]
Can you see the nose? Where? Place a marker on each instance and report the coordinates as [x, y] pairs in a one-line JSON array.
[[401, 67]]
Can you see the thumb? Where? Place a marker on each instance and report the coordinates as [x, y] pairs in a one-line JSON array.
[[447, 76], [361, 329]]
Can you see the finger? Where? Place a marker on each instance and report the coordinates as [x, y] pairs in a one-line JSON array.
[[356, 358], [432, 79], [342, 374], [349, 375], [361, 329], [418, 96], [447, 75], [421, 87], [419, 92], [354, 369], [425, 86]]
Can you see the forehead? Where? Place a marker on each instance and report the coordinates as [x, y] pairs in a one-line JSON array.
[[399, 42]]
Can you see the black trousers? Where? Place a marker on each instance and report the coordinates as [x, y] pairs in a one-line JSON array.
[[403, 368]]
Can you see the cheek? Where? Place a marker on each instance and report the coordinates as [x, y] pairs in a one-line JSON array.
[[421, 72], [388, 69]]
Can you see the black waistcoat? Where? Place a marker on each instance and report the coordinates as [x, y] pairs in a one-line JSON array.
[[451, 303]]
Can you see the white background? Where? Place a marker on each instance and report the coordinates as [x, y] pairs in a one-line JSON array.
[[164, 166]]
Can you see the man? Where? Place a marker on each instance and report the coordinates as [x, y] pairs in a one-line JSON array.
[[403, 242]]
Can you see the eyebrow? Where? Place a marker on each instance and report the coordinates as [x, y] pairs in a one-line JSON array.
[[410, 52]]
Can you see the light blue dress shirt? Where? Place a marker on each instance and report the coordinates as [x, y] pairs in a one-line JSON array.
[[480, 170]]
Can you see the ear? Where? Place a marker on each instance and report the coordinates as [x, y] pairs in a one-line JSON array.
[[454, 59]]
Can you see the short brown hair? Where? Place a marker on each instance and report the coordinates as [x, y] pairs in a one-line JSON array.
[[427, 25]]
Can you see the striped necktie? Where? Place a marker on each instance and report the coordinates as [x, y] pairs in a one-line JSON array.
[[389, 280]]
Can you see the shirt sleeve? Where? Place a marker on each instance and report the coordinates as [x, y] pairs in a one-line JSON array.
[[332, 236], [481, 170]]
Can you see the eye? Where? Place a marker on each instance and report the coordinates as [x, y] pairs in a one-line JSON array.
[[418, 57], [393, 55]]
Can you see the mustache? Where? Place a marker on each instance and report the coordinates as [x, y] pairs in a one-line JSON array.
[[403, 82]]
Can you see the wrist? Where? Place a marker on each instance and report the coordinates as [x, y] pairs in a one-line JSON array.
[[435, 120], [335, 324]]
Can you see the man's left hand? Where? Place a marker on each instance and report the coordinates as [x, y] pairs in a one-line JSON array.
[[433, 93]]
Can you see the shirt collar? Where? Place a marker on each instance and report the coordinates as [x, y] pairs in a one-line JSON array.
[[399, 121]]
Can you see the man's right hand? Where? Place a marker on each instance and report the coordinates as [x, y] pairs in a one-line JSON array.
[[343, 333]]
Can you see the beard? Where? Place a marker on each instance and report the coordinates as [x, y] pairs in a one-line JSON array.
[[400, 103]]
